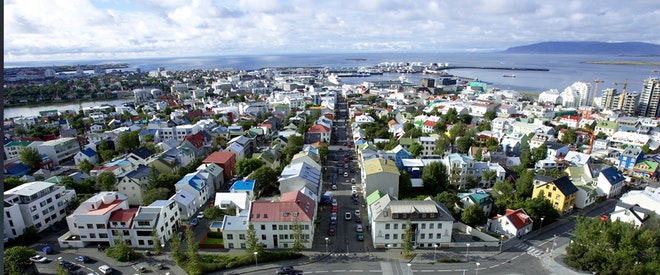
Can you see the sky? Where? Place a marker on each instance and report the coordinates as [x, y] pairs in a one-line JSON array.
[[39, 30]]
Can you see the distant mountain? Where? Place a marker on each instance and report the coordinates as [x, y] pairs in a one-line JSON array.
[[627, 48]]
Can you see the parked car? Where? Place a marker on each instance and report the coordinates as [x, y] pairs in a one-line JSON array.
[[357, 212], [334, 208], [331, 231], [358, 219], [360, 236], [333, 216], [284, 269], [105, 269], [348, 216], [345, 174], [38, 259], [334, 187], [200, 215], [334, 201], [358, 228], [47, 249], [194, 222], [82, 258]]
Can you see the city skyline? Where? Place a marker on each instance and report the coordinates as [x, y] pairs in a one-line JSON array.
[[100, 29]]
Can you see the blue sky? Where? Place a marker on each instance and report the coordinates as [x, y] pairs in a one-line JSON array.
[[111, 29]]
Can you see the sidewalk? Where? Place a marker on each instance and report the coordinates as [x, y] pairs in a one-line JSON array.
[[164, 259]]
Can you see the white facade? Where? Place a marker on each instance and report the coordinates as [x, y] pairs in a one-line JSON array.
[[60, 150], [161, 216], [39, 204]]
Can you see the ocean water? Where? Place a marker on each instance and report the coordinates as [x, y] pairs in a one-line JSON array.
[[563, 70]]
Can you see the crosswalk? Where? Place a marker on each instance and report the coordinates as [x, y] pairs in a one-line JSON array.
[[531, 250]]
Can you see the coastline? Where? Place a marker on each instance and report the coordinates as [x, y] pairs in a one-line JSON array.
[[632, 63]]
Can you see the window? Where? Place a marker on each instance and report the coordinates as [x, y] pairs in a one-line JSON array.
[[387, 226], [438, 236], [422, 236], [11, 223], [395, 236], [263, 227], [8, 215], [557, 197], [100, 226], [396, 226], [263, 237], [45, 211], [430, 235], [92, 235], [387, 236], [439, 225], [403, 226], [143, 223], [274, 227], [141, 242], [230, 236], [430, 226], [49, 200], [35, 217], [241, 236], [103, 235], [423, 226]]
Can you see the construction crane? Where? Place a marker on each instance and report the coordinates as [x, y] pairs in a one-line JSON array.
[[592, 136], [593, 98], [625, 84]]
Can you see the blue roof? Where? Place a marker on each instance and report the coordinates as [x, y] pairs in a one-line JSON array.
[[147, 131], [17, 170], [612, 175], [89, 152], [194, 181], [184, 197], [243, 185], [360, 142]]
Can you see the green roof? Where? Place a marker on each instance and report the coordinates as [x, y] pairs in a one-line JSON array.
[[18, 143], [405, 141], [653, 166], [607, 124], [373, 197]]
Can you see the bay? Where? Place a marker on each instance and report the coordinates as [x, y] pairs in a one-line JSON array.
[[563, 70]]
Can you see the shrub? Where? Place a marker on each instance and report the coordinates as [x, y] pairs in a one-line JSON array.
[[120, 253], [215, 235], [449, 260]]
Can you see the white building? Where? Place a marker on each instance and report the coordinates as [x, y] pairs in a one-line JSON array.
[[431, 221], [60, 150], [39, 204], [514, 223], [161, 218]]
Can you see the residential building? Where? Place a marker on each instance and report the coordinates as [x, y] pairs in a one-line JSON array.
[[87, 154], [297, 176], [39, 204], [380, 174], [631, 213], [610, 183], [560, 192], [96, 217], [161, 218], [226, 160], [397, 154], [187, 204], [275, 222], [606, 127], [244, 186], [60, 150], [13, 149], [215, 179], [134, 184], [630, 157], [141, 156], [514, 223], [479, 197], [195, 183], [649, 100], [237, 200], [428, 145], [431, 222]]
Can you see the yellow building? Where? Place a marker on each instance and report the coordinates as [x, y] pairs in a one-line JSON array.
[[561, 192], [380, 175]]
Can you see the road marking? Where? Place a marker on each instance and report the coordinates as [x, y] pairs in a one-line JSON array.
[[339, 270], [426, 270], [445, 270], [376, 270], [321, 271], [495, 266], [356, 270]]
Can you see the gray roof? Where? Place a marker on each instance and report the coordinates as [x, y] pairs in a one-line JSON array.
[[414, 209]]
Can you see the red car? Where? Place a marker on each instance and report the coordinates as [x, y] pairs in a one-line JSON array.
[[334, 208], [357, 219], [331, 232]]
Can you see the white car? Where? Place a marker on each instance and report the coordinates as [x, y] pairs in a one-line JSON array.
[[357, 212], [347, 216], [105, 269], [38, 259], [200, 215]]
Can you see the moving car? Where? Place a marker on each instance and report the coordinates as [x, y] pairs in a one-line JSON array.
[[105, 269], [345, 174], [334, 187], [47, 249], [82, 258], [284, 269], [347, 216], [194, 222], [38, 259]]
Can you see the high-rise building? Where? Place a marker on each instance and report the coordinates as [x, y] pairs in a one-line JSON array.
[[649, 100], [607, 99], [627, 102]]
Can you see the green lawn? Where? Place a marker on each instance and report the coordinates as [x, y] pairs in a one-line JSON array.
[[214, 241]]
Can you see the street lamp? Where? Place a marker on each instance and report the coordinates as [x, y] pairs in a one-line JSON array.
[[388, 251], [256, 260], [435, 249], [478, 264], [541, 223], [409, 267], [326, 244], [467, 252], [501, 242]]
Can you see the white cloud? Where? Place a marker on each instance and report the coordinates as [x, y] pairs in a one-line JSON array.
[[37, 30]]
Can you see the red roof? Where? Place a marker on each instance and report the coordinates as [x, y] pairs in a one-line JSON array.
[[123, 215], [576, 118], [518, 218], [196, 140], [430, 123], [219, 157], [292, 206], [267, 125], [318, 128]]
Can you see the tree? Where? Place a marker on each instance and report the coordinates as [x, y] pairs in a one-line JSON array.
[[484, 126], [478, 155], [489, 115], [413, 133], [214, 213], [441, 145], [503, 193], [156, 240], [416, 149], [451, 116], [60, 269], [266, 179], [474, 215], [11, 182], [525, 183], [17, 260], [106, 181], [488, 177], [435, 177], [30, 157], [298, 237], [127, 141], [85, 166], [458, 130], [450, 200], [405, 184], [246, 166], [569, 136], [194, 265], [148, 138], [539, 153], [323, 152], [465, 118], [251, 244], [407, 240], [463, 144], [175, 247], [613, 248], [152, 195]]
